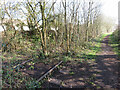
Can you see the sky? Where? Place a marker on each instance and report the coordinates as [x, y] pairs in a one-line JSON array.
[[110, 9]]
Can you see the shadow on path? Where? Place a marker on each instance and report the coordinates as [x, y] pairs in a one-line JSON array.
[[102, 73], [106, 67]]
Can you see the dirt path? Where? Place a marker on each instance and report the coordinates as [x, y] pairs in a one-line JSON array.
[[102, 73], [106, 67]]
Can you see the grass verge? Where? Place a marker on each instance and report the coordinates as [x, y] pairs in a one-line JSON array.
[[88, 53], [114, 43]]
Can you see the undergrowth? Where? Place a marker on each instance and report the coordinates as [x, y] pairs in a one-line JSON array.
[[114, 42], [14, 78], [88, 53]]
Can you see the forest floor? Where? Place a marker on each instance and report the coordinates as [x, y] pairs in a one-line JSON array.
[[83, 70], [100, 73]]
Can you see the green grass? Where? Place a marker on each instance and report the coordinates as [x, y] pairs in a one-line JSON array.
[[95, 45], [87, 54], [113, 42], [94, 48]]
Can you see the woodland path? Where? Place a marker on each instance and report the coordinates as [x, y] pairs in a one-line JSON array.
[[102, 73], [107, 66]]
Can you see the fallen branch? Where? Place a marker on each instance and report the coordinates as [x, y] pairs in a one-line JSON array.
[[21, 63], [49, 71]]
